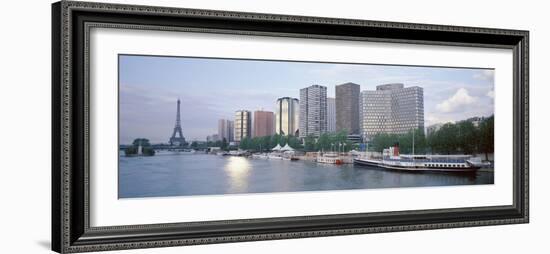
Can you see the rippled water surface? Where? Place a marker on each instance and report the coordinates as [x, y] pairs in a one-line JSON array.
[[202, 174]]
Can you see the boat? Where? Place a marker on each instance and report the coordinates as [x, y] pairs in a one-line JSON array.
[[274, 156], [259, 156], [391, 159], [180, 151], [330, 158]]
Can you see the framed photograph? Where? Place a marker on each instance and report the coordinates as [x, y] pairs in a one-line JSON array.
[[182, 126]]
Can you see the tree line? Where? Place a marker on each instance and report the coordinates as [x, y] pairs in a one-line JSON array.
[[266, 143], [462, 137], [335, 141], [146, 147]]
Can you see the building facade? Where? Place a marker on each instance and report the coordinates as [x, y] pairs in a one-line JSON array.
[[225, 130], [263, 123], [287, 115], [242, 125], [347, 108], [392, 108], [331, 114], [313, 111]]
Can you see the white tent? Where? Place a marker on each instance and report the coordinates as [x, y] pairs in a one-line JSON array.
[[287, 148], [277, 148]]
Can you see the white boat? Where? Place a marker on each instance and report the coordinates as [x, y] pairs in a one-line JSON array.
[[260, 156], [274, 156], [330, 158], [391, 159]]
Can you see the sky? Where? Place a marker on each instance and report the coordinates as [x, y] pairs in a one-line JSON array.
[[212, 89]]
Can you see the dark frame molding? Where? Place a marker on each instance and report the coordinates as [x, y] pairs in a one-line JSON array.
[[71, 22]]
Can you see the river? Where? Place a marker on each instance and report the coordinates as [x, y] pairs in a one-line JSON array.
[[203, 174]]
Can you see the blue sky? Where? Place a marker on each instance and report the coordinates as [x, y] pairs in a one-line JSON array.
[[211, 89]]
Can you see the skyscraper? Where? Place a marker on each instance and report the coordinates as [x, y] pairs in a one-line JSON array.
[[331, 114], [313, 110], [225, 130], [287, 114], [263, 123], [392, 108], [242, 125], [347, 107]]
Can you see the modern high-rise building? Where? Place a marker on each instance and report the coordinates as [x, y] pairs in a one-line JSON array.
[[347, 107], [331, 114], [225, 130], [287, 114], [263, 123], [242, 125], [392, 108], [313, 110]]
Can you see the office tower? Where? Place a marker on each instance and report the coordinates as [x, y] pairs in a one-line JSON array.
[[313, 110], [347, 108], [287, 113], [392, 108], [263, 123], [331, 114], [242, 125], [225, 130]]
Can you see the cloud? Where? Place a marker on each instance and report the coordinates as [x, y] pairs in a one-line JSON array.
[[491, 93], [432, 119], [485, 75], [456, 102]]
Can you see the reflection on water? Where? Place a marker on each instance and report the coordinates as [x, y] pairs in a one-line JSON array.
[[201, 174], [237, 169]]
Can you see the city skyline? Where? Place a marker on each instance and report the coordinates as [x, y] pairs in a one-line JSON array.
[[213, 89]]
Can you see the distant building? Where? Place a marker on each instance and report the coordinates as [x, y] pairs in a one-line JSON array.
[[213, 138], [476, 120], [287, 114], [347, 107], [355, 138], [331, 114], [313, 110], [392, 108], [243, 125], [225, 130], [263, 123], [433, 128]]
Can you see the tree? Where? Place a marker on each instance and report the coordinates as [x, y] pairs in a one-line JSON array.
[[309, 143], [382, 141], [224, 144], [245, 143], [141, 141], [294, 142], [146, 148], [487, 136], [467, 138], [323, 143]]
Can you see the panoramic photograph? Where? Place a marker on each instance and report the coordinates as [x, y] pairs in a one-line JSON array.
[[213, 126]]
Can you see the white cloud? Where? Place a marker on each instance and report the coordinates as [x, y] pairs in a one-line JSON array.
[[460, 99], [491, 93], [432, 119], [485, 75]]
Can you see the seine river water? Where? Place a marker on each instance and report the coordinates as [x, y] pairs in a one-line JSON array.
[[202, 174]]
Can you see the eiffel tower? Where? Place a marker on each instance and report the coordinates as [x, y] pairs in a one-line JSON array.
[[178, 141]]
